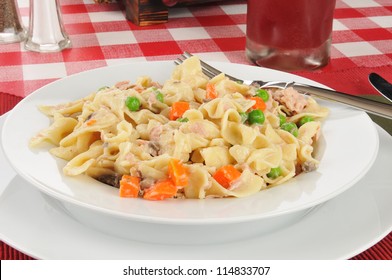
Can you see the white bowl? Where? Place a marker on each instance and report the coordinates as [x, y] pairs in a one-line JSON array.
[[348, 148]]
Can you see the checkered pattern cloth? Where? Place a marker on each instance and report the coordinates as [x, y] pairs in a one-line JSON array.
[[101, 35]]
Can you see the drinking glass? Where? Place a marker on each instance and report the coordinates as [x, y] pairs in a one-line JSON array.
[[46, 31], [289, 35]]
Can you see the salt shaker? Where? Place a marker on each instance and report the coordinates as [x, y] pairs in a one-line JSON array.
[[11, 28], [46, 31]]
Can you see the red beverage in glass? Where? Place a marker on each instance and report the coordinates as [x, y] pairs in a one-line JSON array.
[[289, 35]]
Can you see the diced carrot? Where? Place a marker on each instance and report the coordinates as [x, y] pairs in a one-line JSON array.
[[178, 173], [178, 109], [211, 91], [260, 104], [129, 186], [226, 175], [161, 190], [91, 122]]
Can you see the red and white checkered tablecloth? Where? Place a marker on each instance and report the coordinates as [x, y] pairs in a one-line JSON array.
[[100, 34]]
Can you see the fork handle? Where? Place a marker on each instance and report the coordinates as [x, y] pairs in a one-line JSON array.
[[370, 106]]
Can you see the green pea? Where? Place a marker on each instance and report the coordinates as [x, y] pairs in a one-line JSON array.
[[305, 119], [290, 127], [274, 173], [256, 116], [263, 94], [159, 96], [282, 119], [133, 103], [244, 117], [183, 119]]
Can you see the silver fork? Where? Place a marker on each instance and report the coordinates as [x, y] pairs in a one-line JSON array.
[[370, 106]]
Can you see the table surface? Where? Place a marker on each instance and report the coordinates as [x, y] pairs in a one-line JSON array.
[[101, 36]]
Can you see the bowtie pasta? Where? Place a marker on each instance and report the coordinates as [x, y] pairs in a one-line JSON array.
[[192, 137]]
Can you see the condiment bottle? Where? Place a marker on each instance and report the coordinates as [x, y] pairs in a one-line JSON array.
[[11, 28], [46, 31]]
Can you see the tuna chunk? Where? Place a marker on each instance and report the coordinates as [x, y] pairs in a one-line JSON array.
[[291, 99]]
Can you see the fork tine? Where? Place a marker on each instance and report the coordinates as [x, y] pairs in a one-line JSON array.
[[207, 73], [178, 61], [187, 54]]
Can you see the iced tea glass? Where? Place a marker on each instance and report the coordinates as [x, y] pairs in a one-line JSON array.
[[289, 35]]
